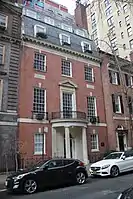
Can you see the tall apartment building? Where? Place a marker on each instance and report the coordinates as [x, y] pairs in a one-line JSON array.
[[61, 104], [115, 19], [10, 45]]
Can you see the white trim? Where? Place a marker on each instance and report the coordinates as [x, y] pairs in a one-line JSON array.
[[121, 118], [83, 44], [90, 86], [32, 121], [8, 113], [95, 101], [98, 124], [61, 40], [35, 29], [116, 78], [62, 54], [11, 111], [3, 123], [40, 153], [77, 31], [31, 11], [119, 103], [71, 72], [67, 123]]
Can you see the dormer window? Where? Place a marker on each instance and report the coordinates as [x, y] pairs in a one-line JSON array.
[[49, 20], [67, 27], [86, 47], [64, 39], [40, 32]]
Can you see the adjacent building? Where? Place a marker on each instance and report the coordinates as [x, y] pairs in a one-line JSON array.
[[113, 18], [61, 103], [10, 41]]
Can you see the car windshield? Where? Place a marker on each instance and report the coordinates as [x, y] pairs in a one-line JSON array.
[[113, 156]]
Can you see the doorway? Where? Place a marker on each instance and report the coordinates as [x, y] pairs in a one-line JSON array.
[[121, 142], [72, 147]]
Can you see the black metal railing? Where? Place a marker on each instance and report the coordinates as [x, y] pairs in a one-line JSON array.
[[68, 115], [39, 115], [93, 119]]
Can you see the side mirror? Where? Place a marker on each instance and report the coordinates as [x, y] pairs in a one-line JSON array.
[[123, 157]]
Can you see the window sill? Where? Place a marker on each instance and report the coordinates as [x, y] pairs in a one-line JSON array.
[[42, 71], [94, 150], [66, 76], [115, 84], [39, 154], [119, 113], [87, 81]]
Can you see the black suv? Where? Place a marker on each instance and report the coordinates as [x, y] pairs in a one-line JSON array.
[[47, 174]]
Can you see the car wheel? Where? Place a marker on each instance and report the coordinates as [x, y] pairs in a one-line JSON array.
[[80, 178], [30, 186], [114, 171]]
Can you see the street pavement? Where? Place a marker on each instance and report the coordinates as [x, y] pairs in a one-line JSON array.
[[97, 188]]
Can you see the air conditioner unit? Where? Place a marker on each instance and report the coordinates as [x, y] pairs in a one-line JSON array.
[[40, 116], [41, 35]]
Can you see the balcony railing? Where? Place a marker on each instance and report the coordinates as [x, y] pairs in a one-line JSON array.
[[39, 115], [93, 119], [69, 115]]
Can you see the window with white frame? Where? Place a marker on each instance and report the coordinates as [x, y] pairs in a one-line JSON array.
[[67, 103], [40, 61], [114, 43], [108, 11], [3, 20], [125, 8], [122, 35], [31, 13], [127, 20], [117, 104], [39, 143], [107, 3], [120, 24], [64, 39], [39, 102], [110, 21], [39, 29], [91, 106], [94, 142], [114, 77], [66, 27], [131, 44], [80, 32], [129, 32], [66, 68], [86, 47], [93, 21], [49, 20], [2, 52], [89, 76]]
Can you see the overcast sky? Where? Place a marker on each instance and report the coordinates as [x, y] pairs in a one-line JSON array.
[[70, 4]]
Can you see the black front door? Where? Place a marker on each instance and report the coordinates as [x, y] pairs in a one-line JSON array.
[[121, 142]]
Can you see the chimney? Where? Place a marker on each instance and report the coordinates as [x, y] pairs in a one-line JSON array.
[[81, 16]]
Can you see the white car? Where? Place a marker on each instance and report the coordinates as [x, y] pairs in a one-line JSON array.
[[113, 164]]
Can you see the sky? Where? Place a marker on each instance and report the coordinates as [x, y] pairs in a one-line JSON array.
[[70, 4]]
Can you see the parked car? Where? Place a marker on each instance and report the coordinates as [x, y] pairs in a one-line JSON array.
[[113, 164], [128, 193], [47, 174]]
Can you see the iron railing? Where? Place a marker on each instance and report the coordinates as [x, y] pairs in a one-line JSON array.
[[68, 115], [39, 115]]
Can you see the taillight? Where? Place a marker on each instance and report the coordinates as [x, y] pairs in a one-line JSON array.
[[81, 164]]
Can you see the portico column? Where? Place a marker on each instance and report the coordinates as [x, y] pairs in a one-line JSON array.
[[84, 145], [67, 142], [54, 149]]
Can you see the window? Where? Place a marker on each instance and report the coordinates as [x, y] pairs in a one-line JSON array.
[[94, 142], [114, 77], [131, 44], [3, 20], [122, 35], [112, 31], [40, 61], [39, 100], [80, 32], [94, 34], [125, 8], [39, 143], [108, 11], [86, 47], [67, 27], [39, 29], [117, 104], [129, 31], [118, 12], [31, 14], [66, 68], [67, 101], [120, 24], [127, 20], [110, 21], [93, 21], [91, 106], [89, 76], [49, 20], [107, 3], [64, 39], [96, 41], [2, 49], [114, 43], [124, 46]]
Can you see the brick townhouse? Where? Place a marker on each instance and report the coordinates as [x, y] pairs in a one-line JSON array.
[[61, 104], [10, 40]]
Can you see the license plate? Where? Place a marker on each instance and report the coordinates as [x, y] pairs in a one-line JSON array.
[[94, 172]]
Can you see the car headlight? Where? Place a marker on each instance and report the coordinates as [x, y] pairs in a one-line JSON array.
[[105, 166], [18, 177], [119, 197]]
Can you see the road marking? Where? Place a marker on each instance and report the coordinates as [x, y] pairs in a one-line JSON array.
[[2, 190]]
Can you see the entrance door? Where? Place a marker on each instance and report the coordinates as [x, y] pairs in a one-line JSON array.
[[121, 142]]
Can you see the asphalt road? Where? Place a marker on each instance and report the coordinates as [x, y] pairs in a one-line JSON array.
[[98, 188]]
